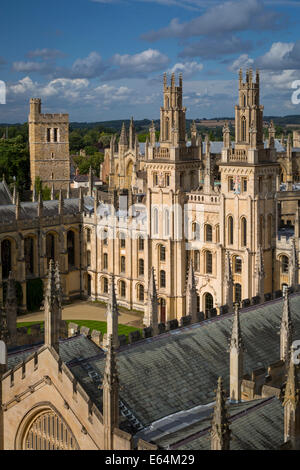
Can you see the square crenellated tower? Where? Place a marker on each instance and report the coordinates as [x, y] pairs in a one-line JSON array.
[[49, 147]]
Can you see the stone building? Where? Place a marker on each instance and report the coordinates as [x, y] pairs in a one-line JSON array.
[[167, 204], [49, 147], [74, 394]]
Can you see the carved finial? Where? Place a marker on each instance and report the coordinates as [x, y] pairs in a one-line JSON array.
[[220, 431]]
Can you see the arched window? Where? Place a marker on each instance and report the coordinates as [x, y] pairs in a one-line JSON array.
[[141, 267], [208, 303], [166, 223], [208, 262], [162, 253], [244, 129], [6, 258], [284, 264], [197, 260], [141, 243], [238, 265], [105, 285], [105, 261], [105, 237], [261, 230], [48, 431], [50, 248], [244, 100], [195, 231], [123, 264], [141, 293], [29, 255], [162, 278], [230, 230], [167, 133], [88, 235], [123, 289], [88, 258], [122, 238], [237, 292], [244, 231], [218, 233], [208, 233], [155, 221], [71, 248], [270, 229]]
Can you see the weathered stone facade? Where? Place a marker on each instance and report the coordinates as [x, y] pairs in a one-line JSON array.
[[49, 147]]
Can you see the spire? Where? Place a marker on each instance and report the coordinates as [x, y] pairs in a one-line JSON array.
[[228, 282], [286, 328], [40, 204], [236, 358], [272, 135], [236, 335], [226, 136], [18, 206], [58, 288], [34, 194], [14, 194], [260, 273], [110, 395], [52, 192], [80, 200], [91, 183], [52, 310], [194, 134], [208, 173], [132, 134], [11, 306], [293, 265], [112, 314], [291, 403], [61, 203], [123, 137], [147, 148], [220, 431], [152, 134], [151, 312], [191, 294]]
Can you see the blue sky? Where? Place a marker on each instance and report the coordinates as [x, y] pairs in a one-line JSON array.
[[104, 59]]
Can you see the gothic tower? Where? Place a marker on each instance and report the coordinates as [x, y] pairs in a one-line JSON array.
[[248, 186], [49, 147]]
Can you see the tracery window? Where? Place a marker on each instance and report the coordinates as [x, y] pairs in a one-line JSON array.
[[49, 432]]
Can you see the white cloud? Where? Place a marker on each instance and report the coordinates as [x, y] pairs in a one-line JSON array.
[[45, 54], [188, 69], [142, 63], [89, 67], [227, 17], [242, 62], [281, 56]]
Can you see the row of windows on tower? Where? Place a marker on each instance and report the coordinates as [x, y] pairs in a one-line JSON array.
[[141, 262], [208, 262], [52, 134], [122, 289]]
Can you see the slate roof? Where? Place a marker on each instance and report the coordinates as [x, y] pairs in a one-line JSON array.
[[179, 370], [5, 196], [255, 425], [29, 210]]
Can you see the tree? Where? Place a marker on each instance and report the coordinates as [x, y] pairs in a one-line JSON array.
[[14, 162]]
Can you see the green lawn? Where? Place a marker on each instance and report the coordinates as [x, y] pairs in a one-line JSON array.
[[93, 325]]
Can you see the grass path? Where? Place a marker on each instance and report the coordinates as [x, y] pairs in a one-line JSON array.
[[92, 324]]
